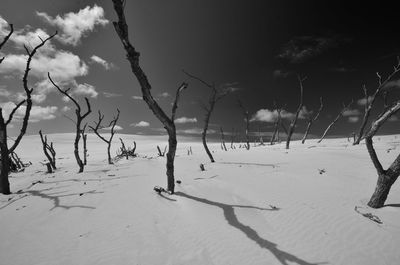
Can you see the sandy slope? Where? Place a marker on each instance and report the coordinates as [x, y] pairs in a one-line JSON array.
[[225, 215]]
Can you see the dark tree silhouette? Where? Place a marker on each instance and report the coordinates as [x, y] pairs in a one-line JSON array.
[[84, 140], [311, 120], [335, 120], [5, 151], [79, 118], [292, 125], [215, 96], [111, 126], [387, 177], [370, 100], [121, 28], [48, 150], [246, 115], [223, 146], [277, 124]]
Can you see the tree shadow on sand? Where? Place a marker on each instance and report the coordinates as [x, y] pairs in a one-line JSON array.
[[230, 216], [54, 197]]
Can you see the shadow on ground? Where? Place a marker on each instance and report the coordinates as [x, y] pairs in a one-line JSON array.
[[229, 213]]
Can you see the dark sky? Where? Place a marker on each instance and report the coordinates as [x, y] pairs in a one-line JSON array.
[[256, 47]]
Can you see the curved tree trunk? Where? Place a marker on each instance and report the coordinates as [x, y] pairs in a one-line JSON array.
[[76, 148], [382, 190], [172, 144], [204, 135], [307, 131], [5, 161]]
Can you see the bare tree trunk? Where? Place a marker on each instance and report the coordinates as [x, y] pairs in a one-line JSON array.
[[335, 120], [277, 125], [233, 138], [247, 119], [5, 151], [121, 28], [294, 121], [79, 118], [46, 147], [223, 140], [311, 120], [386, 178], [204, 134], [84, 140]]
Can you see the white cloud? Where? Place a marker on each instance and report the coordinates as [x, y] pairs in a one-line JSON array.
[[393, 118], [116, 128], [185, 120], [111, 95], [74, 26], [65, 109], [305, 113], [393, 84], [266, 115], [102, 62], [351, 112], [353, 119], [4, 92], [164, 95], [85, 90], [363, 101], [195, 131], [141, 124], [37, 113], [137, 97]]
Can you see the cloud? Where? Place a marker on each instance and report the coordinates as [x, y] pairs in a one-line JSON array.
[[111, 95], [185, 120], [137, 97], [164, 95], [363, 101], [102, 62], [116, 128], [37, 113], [302, 48], [141, 124], [393, 118], [280, 74], [74, 26], [393, 84], [353, 119], [266, 115], [65, 109], [351, 112], [85, 90], [195, 131], [4, 92]]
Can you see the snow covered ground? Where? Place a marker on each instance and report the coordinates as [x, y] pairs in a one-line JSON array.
[[267, 205]]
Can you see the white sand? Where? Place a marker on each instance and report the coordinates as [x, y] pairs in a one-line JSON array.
[[110, 214]]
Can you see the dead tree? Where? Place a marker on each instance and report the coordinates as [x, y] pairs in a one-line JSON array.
[[112, 125], [223, 146], [233, 137], [387, 177], [247, 120], [84, 140], [79, 118], [311, 120], [277, 124], [121, 28], [48, 150], [369, 101], [160, 153], [335, 120], [215, 96], [296, 116], [126, 152], [5, 151], [260, 135]]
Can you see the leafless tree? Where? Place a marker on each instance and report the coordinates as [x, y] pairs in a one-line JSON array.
[[223, 146], [370, 100], [161, 153], [48, 150], [233, 138], [296, 116], [5, 151], [387, 177], [335, 120], [246, 115], [79, 118], [311, 120], [111, 126], [216, 95], [126, 152], [277, 124], [121, 28], [84, 140]]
